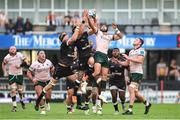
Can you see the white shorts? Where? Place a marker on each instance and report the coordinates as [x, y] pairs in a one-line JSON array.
[[115, 88]]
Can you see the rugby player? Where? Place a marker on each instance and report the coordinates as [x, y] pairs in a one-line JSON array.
[[63, 68], [101, 59], [117, 67], [136, 60], [40, 73], [15, 61]]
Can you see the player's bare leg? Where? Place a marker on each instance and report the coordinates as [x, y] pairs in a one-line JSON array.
[[13, 96], [51, 84], [142, 99], [21, 95], [38, 90]]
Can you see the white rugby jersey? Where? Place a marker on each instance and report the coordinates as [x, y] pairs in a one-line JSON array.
[[136, 67], [102, 42], [41, 70], [12, 62]]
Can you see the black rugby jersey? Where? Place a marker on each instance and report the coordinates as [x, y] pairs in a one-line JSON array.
[[116, 70], [83, 46], [66, 54]]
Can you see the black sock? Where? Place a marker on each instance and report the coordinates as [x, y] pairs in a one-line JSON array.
[[116, 107], [145, 102], [69, 108], [79, 99], [40, 98], [103, 85], [77, 82], [87, 104], [131, 106], [21, 95]]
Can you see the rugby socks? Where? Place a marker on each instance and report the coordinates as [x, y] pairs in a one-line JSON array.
[[130, 108], [146, 103], [69, 108], [87, 104], [116, 106], [42, 107], [98, 103], [103, 85], [21, 95], [123, 102], [14, 101], [40, 97], [77, 82], [79, 99]]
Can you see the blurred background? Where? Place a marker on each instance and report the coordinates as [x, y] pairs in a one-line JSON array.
[[32, 25]]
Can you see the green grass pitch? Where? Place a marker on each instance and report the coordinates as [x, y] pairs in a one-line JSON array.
[[58, 111]]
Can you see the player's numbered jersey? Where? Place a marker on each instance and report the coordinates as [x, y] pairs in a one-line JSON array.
[[102, 42], [136, 67], [13, 63], [41, 70]]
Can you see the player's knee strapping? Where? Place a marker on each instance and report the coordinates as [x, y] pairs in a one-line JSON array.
[[53, 83], [13, 87]]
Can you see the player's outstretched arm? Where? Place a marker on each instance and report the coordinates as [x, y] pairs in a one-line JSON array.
[[118, 35], [92, 26]]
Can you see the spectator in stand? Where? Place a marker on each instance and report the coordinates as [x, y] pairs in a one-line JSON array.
[[50, 19], [173, 70], [3, 19], [161, 70], [10, 27], [68, 19], [28, 25], [19, 27], [59, 19]]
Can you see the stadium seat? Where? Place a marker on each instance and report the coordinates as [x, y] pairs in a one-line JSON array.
[[138, 30], [129, 30], [155, 29], [175, 29], [147, 30]]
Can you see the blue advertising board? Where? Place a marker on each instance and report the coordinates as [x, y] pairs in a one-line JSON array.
[[52, 41]]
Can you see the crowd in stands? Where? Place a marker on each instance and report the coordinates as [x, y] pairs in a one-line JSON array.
[[59, 22], [14, 27], [165, 72]]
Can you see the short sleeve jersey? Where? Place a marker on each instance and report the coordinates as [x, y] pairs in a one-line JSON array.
[[12, 63], [136, 67], [41, 71], [102, 42]]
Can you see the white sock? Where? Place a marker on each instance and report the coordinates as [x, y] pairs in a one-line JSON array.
[[98, 103], [14, 103], [147, 103], [130, 109]]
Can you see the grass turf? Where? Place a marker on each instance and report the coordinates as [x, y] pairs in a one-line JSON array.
[[58, 111]]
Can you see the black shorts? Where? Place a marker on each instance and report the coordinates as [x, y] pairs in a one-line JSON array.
[[61, 71], [43, 84], [69, 84], [117, 83]]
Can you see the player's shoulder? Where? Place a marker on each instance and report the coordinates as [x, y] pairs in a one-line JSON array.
[[7, 56], [48, 61], [141, 51], [19, 54], [35, 63]]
